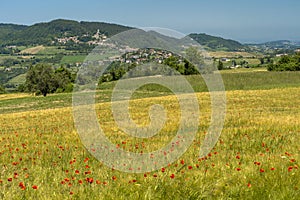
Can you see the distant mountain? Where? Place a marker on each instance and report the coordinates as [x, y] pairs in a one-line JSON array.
[[217, 43], [45, 33], [279, 44]]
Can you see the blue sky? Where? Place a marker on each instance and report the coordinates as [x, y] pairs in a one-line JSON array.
[[245, 21]]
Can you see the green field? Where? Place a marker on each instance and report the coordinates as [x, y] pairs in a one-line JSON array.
[[52, 50], [256, 157], [73, 59]]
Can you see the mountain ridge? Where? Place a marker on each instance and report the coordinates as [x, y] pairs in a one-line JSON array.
[[44, 33]]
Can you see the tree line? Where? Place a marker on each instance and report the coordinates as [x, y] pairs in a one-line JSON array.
[[286, 63]]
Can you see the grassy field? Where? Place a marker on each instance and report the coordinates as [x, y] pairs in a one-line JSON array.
[[235, 79], [73, 59], [33, 50], [256, 157], [52, 51], [226, 54], [18, 79]]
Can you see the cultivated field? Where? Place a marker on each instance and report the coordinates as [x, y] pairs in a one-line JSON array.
[[33, 50], [256, 157]]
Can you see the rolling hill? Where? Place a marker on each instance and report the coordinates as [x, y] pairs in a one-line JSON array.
[[45, 33], [217, 43]]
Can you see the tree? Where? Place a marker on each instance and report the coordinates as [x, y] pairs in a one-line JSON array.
[[220, 65], [194, 56], [40, 79], [63, 80], [233, 63], [262, 61], [2, 90]]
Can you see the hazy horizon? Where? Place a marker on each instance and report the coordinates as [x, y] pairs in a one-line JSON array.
[[247, 22]]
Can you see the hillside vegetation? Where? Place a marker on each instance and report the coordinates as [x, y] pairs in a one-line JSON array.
[[45, 33], [217, 43]]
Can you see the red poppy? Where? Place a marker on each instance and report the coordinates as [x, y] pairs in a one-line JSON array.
[[182, 162], [163, 169], [89, 180], [249, 185], [172, 176], [21, 184], [114, 178], [88, 172], [262, 170], [9, 179], [190, 167], [272, 168], [35, 187], [76, 171], [238, 169], [257, 163]]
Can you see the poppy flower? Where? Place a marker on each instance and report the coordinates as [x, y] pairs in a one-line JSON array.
[[21, 185], [88, 172], [172, 176], [35, 187], [89, 180]]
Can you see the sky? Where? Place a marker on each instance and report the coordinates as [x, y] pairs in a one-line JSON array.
[[248, 21]]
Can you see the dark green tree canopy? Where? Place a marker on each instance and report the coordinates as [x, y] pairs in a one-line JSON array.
[[43, 79]]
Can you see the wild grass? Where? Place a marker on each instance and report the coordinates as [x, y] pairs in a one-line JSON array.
[[256, 157]]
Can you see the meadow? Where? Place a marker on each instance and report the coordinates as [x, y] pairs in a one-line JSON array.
[[256, 157]]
